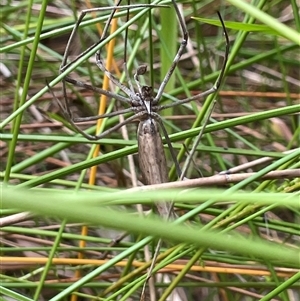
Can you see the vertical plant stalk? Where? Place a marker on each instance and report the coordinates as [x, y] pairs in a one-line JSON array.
[[169, 32], [18, 120]]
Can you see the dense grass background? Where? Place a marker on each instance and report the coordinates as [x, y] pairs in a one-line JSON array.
[[234, 239]]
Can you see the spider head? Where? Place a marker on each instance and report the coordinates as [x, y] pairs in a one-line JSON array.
[[147, 93], [147, 97]]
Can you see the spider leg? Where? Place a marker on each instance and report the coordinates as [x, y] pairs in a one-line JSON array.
[[66, 109], [197, 141], [125, 58], [122, 87], [112, 129], [218, 82], [112, 114], [127, 76], [171, 149], [189, 99], [178, 55], [114, 8], [97, 90], [221, 75], [65, 63]]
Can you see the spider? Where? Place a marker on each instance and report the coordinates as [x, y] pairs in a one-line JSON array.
[[142, 102], [145, 107]]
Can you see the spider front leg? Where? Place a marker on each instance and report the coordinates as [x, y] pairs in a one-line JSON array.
[[113, 79], [178, 55], [65, 64], [218, 82]]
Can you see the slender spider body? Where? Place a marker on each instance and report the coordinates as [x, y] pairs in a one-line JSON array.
[[146, 110]]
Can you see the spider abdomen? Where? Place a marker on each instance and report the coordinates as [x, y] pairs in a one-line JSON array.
[[152, 158]]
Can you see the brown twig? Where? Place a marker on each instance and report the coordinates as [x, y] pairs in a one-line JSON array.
[[220, 179]]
